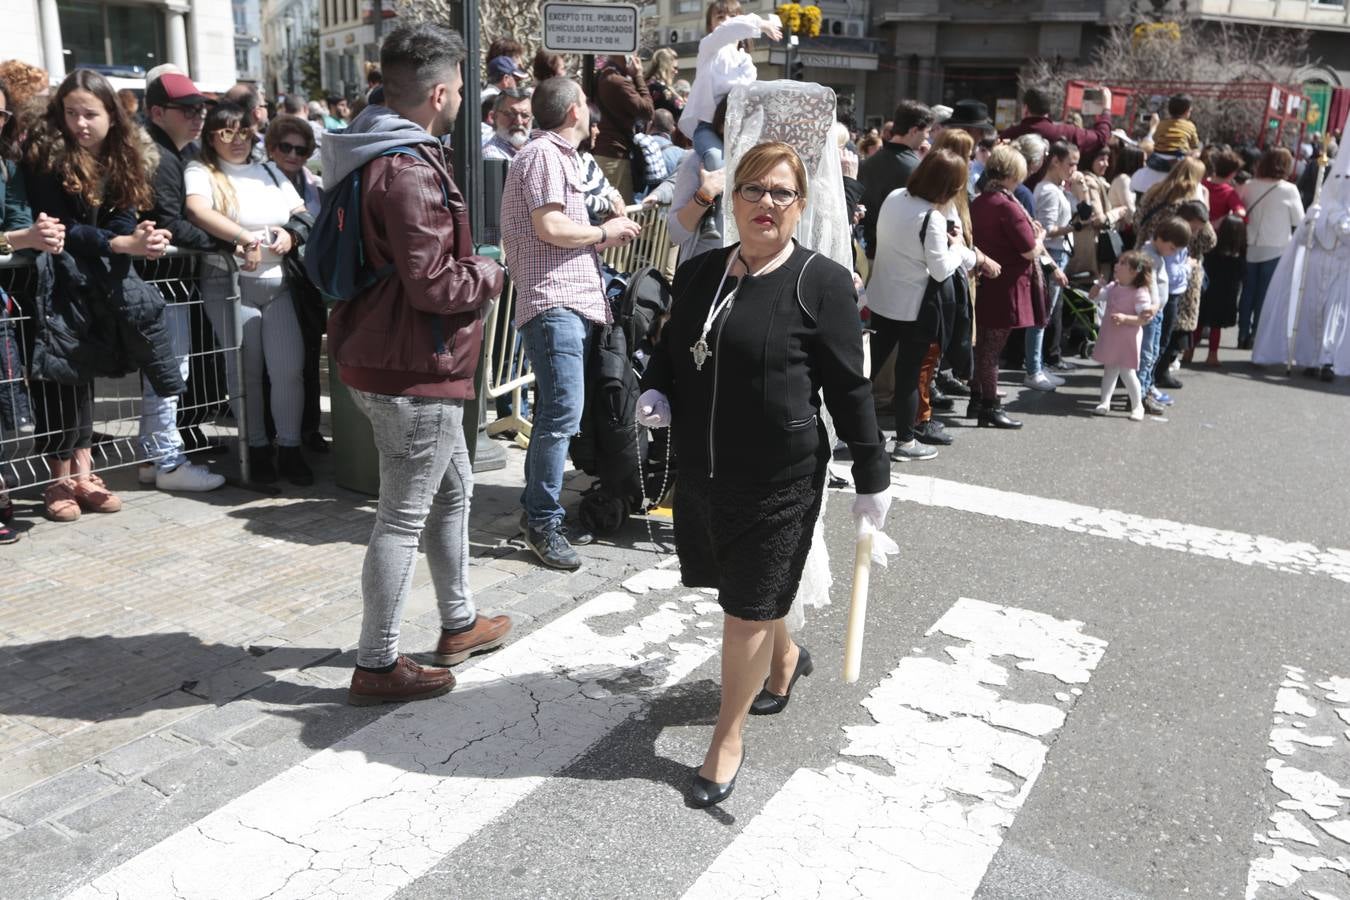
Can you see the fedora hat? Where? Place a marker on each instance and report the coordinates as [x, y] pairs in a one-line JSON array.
[[970, 114]]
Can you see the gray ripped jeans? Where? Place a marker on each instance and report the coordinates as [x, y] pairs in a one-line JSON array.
[[426, 482]]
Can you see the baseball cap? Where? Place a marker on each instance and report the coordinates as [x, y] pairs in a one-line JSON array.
[[1120, 135], [501, 66], [173, 89]]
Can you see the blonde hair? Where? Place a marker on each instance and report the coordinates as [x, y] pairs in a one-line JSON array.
[[1004, 162], [762, 159], [1178, 187], [962, 143], [662, 67]]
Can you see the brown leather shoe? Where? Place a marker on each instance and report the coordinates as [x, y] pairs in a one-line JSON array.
[[486, 634], [408, 681]]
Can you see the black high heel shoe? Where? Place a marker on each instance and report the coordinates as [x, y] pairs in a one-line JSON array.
[[704, 793], [767, 703]]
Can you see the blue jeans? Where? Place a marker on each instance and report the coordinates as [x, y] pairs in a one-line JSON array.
[[556, 342], [1035, 337], [708, 146], [1149, 347], [159, 438], [426, 483], [1254, 287]]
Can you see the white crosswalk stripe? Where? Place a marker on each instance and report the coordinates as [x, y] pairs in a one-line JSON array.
[[1306, 850], [380, 808], [962, 757], [1164, 534]]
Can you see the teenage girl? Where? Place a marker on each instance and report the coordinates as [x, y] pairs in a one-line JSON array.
[[1128, 306]]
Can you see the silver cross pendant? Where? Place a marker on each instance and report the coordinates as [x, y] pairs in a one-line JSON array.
[[700, 352]]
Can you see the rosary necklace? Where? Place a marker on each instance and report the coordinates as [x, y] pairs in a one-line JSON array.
[[700, 349]]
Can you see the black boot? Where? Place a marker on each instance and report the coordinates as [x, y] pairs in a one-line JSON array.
[[260, 467], [292, 466], [993, 416], [938, 400], [974, 406]]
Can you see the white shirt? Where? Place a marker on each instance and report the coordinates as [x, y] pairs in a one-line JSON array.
[[1270, 222], [264, 201], [903, 265], [722, 65], [1054, 209]]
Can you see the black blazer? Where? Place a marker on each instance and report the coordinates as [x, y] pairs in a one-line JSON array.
[[752, 413]]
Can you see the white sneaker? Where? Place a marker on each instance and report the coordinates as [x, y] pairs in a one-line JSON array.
[[1056, 380], [188, 477], [146, 472], [1137, 414], [1040, 382], [1102, 409]]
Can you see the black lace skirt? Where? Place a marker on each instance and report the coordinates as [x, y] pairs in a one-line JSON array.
[[747, 540]]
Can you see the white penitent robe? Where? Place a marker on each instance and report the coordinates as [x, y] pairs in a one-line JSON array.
[[801, 115], [1309, 295]]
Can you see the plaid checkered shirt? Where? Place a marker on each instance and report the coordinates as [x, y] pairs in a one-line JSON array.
[[547, 171]]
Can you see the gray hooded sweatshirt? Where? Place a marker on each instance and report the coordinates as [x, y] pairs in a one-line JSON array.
[[377, 130]]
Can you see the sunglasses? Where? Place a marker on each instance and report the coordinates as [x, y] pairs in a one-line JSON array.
[[234, 135], [293, 149]]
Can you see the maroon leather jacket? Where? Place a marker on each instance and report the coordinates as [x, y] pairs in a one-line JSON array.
[[1088, 140], [419, 331]]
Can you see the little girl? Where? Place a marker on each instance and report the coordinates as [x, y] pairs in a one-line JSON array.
[[1128, 306], [723, 64], [1225, 266]]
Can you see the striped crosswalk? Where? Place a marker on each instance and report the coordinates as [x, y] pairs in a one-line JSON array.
[[921, 782]]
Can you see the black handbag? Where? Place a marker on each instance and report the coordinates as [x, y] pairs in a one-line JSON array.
[[937, 309], [1110, 245]]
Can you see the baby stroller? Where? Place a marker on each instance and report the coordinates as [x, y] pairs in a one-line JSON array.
[[1082, 315], [610, 446]]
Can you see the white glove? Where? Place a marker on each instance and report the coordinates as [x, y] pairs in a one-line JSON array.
[[653, 409], [872, 508]]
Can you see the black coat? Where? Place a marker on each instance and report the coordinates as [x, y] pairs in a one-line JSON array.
[[170, 210], [884, 171], [753, 412], [96, 318]]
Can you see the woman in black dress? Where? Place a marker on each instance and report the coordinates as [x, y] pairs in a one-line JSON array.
[[756, 332]]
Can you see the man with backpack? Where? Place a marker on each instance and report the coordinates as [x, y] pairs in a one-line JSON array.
[[392, 242]]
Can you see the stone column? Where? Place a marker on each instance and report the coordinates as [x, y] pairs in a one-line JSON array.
[[175, 20], [53, 58]]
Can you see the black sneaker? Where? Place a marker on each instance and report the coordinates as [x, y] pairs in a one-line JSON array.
[[292, 466], [576, 535], [261, 469], [952, 386], [932, 432], [1167, 380], [552, 548]]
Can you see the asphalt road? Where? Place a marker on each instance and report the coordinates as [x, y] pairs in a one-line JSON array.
[[1047, 709]]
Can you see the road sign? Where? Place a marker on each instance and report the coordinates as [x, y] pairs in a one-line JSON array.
[[602, 28]]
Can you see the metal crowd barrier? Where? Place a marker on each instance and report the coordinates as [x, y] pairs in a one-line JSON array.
[[117, 426], [508, 368]]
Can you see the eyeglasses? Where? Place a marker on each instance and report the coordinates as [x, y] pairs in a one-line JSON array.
[[195, 111], [5, 116], [234, 135], [293, 149], [753, 193]]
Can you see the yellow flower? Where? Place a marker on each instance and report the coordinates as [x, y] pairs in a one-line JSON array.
[[812, 17], [791, 14]]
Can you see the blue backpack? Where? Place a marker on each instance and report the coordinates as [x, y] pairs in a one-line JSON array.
[[335, 254]]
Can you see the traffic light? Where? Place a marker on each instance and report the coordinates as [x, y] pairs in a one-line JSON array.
[[797, 69]]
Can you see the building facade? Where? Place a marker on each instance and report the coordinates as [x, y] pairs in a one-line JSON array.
[[288, 28], [347, 41], [942, 51], [248, 39], [195, 35]]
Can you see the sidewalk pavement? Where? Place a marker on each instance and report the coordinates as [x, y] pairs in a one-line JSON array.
[[139, 648]]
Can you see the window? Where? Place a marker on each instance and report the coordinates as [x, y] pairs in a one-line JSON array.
[[241, 60], [97, 34], [687, 6]]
